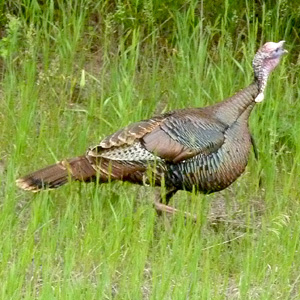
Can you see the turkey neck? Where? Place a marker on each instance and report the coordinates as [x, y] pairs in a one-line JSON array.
[[238, 106]]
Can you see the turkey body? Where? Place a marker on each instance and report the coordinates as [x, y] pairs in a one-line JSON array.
[[202, 148], [198, 148]]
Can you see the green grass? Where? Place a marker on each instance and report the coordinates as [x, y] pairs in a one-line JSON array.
[[72, 74]]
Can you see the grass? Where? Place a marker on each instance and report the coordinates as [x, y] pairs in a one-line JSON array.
[[72, 74]]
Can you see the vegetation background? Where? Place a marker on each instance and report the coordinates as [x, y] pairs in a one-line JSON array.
[[75, 71]]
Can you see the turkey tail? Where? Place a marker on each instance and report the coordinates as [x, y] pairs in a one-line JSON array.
[[77, 168]]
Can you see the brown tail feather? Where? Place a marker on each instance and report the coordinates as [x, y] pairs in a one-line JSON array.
[[78, 168]]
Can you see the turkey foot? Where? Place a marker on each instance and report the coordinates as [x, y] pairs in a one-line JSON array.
[[160, 207]]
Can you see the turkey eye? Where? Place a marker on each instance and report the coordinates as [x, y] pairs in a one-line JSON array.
[[277, 49]]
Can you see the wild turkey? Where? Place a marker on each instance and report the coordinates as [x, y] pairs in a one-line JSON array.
[[206, 148]]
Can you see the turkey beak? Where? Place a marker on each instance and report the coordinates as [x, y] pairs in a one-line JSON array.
[[281, 45]]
